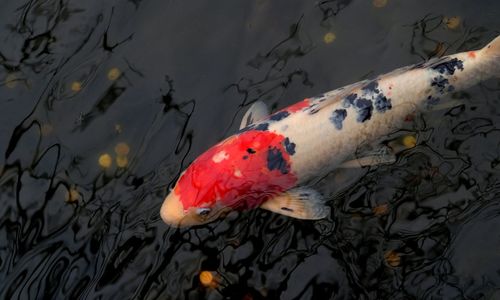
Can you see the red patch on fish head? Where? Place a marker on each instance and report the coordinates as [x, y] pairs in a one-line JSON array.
[[242, 171]]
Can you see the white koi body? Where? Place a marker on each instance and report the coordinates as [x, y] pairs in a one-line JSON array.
[[267, 161]]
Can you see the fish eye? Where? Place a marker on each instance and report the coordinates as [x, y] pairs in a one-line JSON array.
[[203, 211]]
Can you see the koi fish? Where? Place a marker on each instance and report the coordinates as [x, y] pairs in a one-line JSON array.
[[270, 160]]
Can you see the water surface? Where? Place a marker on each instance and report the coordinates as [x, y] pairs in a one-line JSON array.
[[103, 103]]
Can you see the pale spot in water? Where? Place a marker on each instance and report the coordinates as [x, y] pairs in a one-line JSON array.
[[121, 161], [409, 141], [72, 195], [329, 37], [206, 278], [452, 22], [209, 279], [76, 86], [105, 160], [220, 156], [122, 149], [392, 258], [114, 74]]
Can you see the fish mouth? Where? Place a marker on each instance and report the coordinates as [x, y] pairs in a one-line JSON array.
[[172, 212]]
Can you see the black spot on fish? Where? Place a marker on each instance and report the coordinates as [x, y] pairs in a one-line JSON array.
[[364, 107], [279, 115], [338, 116], [449, 67], [245, 156], [440, 83], [351, 97], [289, 147], [372, 87], [349, 100], [382, 104], [250, 150], [275, 160], [262, 127], [287, 209]]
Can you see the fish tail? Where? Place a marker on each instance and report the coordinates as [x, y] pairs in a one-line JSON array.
[[492, 51]]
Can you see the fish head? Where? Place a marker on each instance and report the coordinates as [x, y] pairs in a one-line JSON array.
[[174, 213], [240, 172]]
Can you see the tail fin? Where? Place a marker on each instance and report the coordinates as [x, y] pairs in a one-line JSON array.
[[493, 50]]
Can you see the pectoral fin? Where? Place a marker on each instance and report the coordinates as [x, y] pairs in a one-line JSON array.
[[300, 203], [257, 112]]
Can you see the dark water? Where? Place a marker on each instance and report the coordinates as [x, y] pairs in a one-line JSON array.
[[171, 78]]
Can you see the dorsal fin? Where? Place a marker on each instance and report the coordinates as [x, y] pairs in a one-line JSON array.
[[257, 112]]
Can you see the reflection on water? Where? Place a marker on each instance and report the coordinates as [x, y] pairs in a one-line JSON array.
[[104, 103]]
